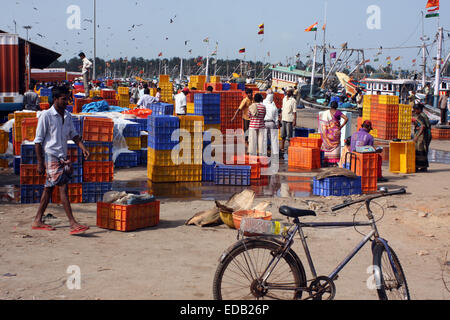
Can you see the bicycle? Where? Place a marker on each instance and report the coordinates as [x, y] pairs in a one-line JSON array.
[[265, 267]]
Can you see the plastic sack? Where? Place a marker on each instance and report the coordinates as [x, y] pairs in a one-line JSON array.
[[119, 143]]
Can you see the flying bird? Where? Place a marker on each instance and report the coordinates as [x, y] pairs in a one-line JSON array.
[[173, 19]]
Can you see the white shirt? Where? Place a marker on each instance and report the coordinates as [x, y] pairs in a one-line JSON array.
[[146, 101], [86, 65], [289, 109], [271, 111], [53, 134], [180, 103]]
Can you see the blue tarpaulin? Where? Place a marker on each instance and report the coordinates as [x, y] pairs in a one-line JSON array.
[[101, 106]]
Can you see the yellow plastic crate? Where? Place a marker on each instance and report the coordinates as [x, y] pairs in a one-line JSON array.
[[190, 108], [94, 93], [153, 92], [215, 79], [189, 173], [315, 136], [192, 123], [160, 158], [123, 97], [402, 157], [212, 127], [4, 139], [134, 144], [10, 116], [404, 131], [374, 133], [162, 174], [164, 78], [188, 156], [43, 99], [123, 91], [367, 100], [383, 99], [124, 104]]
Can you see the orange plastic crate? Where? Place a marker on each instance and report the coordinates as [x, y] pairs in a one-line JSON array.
[[365, 165], [79, 103], [98, 129], [108, 94], [44, 106], [98, 171], [306, 142], [29, 175], [440, 134], [29, 126], [4, 139], [128, 217], [304, 158], [253, 161], [75, 193]]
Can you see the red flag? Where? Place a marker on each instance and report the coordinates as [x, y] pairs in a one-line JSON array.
[[261, 31], [242, 50], [160, 54]]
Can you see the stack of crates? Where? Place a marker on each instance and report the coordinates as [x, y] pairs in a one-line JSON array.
[[208, 106], [132, 135], [191, 141], [304, 153], [253, 161], [337, 186], [123, 97], [214, 79], [368, 100], [226, 86], [365, 165], [166, 89], [98, 171], [17, 128], [197, 82], [402, 157], [127, 159], [4, 140], [160, 163], [384, 117], [229, 103], [80, 103], [404, 121], [440, 133], [45, 95], [162, 109], [303, 132]]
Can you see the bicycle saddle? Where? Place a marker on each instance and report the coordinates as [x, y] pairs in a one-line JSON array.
[[295, 213]]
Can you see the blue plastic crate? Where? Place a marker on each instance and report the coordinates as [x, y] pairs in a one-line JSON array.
[[142, 157], [232, 175], [212, 119], [44, 92], [28, 154], [162, 109], [132, 130], [337, 186], [162, 125], [11, 135], [77, 124], [226, 86], [31, 193], [77, 175], [303, 132], [207, 99], [69, 109], [162, 142], [127, 160], [208, 172], [104, 150], [241, 86], [142, 122], [93, 192], [16, 165]]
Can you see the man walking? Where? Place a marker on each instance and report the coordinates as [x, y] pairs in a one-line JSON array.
[[87, 65], [181, 102], [288, 118], [244, 107], [55, 128]]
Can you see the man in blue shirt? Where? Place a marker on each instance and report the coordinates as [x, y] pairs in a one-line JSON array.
[[55, 127], [362, 137]]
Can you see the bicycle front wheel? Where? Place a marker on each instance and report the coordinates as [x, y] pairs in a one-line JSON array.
[[392, 284], [238, 276]]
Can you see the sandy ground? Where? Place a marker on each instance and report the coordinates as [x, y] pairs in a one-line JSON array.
[[177, 262]]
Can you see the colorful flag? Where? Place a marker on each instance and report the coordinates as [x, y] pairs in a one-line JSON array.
[[398, 58], [432, 3], [376, 60], [324, 27], [433, 10], [160, 54], [333, 55], [242, 50], [432, 15], [312, 28], [261, 31], [414, 61], [261, 26], [388, 58], [206, 40]]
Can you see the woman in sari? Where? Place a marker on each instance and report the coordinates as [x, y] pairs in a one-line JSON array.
[[422, 138], [330, 125]]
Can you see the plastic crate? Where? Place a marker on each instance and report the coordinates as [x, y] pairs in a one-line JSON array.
[[232, 175], [192, 123], [108, 94], [77, 124], [132, 130], [207, 99], [142, 157], [304, 158], [123, 91], [306, 142], [28, 154], [98, 129], [440, 133], [127, 160], [162, 125], [29, 175], [208, 172], [402, 157], [162, 109], [31, 193], [128, 217], [98, 171], [303, 132], [4, 140], [99, 151], [143, 123], [74, 153], [188, 155], [74, 191], [163, 142], [226, 86], [189, 173], [337, 186], [160, 158], [16, 165], [365, 165], [77, 174], [162, 174], [134, 144], [252, 161], [45, 92], [93, 192], [164, 78]]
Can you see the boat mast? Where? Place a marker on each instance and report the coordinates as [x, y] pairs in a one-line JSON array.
[[313, 73], [437, 85], [324, 41], [424, 56]]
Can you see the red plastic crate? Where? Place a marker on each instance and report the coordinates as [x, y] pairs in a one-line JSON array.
[[366, 165], [108, 94], [304, 158], [44, 106], [128, 217], [28, 128], [440, 134], [75, 194], [98, 129], [98, 171], [252, 161], [29, 175], [79, 103]]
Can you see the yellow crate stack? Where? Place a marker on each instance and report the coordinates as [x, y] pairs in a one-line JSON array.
[[134, 144], [17, 128], [190, 166], [190, 108], [367, 102], [215, 79], [315, 136], [43, 99], [164, 78], [161, 166], [123, 97], [404, 121], [197, 82], [153, 92], [166, 92]]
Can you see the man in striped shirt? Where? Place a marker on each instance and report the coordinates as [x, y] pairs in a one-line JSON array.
[[256, 132]]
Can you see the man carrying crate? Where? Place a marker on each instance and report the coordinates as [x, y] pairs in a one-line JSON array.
[[55, 128]]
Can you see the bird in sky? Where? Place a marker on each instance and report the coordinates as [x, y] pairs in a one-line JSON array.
[[172, 20]]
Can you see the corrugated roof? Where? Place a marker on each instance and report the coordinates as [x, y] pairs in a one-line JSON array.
[[301, 73]]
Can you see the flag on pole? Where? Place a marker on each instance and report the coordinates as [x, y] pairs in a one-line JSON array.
[[261, 29], [324, 27], [206, 40], [333, 55], [433, 9], [414, 61], [242, 50], [261, 26], [432, 3], [398, 58], [312, 28]]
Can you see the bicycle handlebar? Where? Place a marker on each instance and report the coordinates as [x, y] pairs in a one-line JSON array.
[[368, 199]]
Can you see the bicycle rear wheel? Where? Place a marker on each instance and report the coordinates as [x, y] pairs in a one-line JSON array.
[[393, 284], [238, 274]]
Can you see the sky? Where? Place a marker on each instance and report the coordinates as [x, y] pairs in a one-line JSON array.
[[234, 24]]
